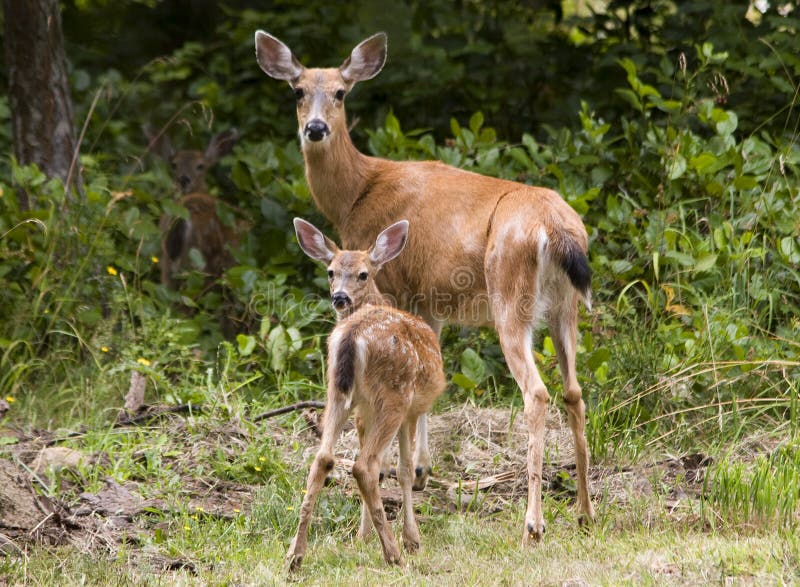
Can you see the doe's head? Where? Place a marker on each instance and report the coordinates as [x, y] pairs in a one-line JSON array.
[[189, 167], [320, 92], [351, 274]]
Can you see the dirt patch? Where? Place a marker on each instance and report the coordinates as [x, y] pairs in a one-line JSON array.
[[115, 514], [479, 459]]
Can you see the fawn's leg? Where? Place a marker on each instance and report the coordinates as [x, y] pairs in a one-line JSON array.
[[405, 477], [378, 433], [365, 526], [563, 330], [333, 421]]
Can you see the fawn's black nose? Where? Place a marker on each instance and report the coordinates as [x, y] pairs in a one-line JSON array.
[[316, 130], [340, 300], [184, 180]]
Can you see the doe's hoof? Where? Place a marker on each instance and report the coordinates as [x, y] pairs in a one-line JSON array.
[[534, 533], [421, 475]]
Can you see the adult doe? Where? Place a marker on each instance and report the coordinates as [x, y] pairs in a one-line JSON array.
[[484, 251], [383, 362], [202, 230]]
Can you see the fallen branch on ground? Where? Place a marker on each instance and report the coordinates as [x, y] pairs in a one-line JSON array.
[[291, 408]]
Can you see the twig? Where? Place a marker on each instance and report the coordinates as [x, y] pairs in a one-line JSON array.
[[153, 412], [291, 408]]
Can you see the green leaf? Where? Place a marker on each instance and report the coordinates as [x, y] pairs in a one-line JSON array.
[[725, 121], [678, 167], [597, 358], [705, 262], [473, 366], [620, 266], [455, 128], [745, 182], [476, 122], [278, 348], [247, 344], [392, 124], [680, 258], [703, 162], [630, 97], [790, 249], [463, 381]]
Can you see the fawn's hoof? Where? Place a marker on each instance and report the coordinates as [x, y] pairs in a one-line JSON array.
[[411, 545], [293, 561], [584, 521], [421, 475]]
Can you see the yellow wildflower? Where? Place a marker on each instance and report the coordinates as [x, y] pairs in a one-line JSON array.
[[10, 399], [143, 361], [154, 259], [289, 508], [111, 270], [104, 349], [257, 468]]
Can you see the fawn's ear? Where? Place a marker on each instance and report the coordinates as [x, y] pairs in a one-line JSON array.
[[314, 244], [366, 60], [389, 244], [220, 145], [276, 59]]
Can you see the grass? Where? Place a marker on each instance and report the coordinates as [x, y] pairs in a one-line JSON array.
[[738, 525], [223, 490], [619, 551]]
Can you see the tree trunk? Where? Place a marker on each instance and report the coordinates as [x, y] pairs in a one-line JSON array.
[[38, 89]]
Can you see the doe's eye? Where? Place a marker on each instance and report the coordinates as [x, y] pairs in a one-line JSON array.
[[200, 167], [362, 276], [339, 95], [330, 273], [299, 93]]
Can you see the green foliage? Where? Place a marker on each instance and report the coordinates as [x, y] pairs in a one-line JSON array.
[[672, 134]]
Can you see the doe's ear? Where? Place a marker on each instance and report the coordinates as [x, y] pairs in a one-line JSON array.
[[158, 141], [366, 60], [276, 59], [220, 145], [389, 244], [314, 244]]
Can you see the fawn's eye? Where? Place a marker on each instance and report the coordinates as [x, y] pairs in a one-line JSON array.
[[339, 95], [330, 273], [200, 167], [299, 93], [362, 276]]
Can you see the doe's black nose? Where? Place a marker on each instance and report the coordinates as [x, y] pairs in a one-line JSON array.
[[316, 130]]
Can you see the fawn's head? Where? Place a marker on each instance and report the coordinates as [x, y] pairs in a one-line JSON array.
[[189, 167], [320, 92], [351, 274]]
